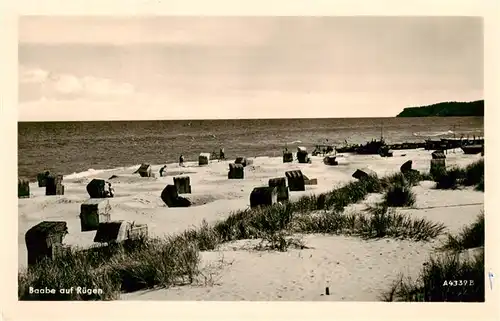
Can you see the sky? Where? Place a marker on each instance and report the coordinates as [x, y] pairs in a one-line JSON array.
[[111, 68]]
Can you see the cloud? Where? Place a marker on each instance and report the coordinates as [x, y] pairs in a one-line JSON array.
[[32, 75], [35, 83]]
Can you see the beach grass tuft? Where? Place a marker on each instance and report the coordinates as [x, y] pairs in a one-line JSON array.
[[456, 276], [480, 186], [470, 237], [379, 222], [205, 237], [443, 279], [449, 179], [280, 241], [471, 175], [411, 178], [474, 173], [125, 268], [400, 195], [351, 193]]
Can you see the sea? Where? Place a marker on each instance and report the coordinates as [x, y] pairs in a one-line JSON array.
[[80, 148]]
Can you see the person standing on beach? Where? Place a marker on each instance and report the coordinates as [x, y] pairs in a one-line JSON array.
[[110, 190], [162, 170], [221, 154], [181, 160]]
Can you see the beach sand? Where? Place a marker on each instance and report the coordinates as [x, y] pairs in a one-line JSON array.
[[352, 268]]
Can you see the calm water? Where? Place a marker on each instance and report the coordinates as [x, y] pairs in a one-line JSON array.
[[68, 147]]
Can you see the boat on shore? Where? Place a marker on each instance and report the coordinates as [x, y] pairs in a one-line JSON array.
[[348, 148], [374, 147], [407, 145], [371, 148], [451, 143], [473, 149], [433, 144]]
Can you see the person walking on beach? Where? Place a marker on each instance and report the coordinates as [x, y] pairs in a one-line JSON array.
[[110, 191], [181, 160], [162, 170], [221, 154]]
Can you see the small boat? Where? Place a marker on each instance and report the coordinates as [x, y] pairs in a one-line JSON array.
[[371, 148], [473, 149], [407, 145], [347, 148], [433, 144], [452, 143], [474, 141]]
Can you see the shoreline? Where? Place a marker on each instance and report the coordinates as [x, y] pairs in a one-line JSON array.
[[401, 146]]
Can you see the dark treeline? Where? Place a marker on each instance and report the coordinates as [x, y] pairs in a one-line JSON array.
[[453, 108]]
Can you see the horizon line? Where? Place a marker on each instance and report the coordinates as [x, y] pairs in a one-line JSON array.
[[222, 119]]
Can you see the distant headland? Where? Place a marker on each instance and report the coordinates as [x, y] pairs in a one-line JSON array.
[[444, 109]]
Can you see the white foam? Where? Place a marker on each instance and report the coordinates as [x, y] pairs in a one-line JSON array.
[[433, 134], [91, 172]]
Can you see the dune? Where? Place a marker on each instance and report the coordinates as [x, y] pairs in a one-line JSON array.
[[352, 268]]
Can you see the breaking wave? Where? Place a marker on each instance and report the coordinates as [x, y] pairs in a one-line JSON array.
[[92, 171], [433, 134]]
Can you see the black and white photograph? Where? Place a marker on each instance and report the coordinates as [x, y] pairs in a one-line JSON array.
[[251, 158]]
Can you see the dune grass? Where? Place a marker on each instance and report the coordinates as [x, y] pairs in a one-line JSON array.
[[470, 237], [480, 186], [378, 223], [400, 195], [454, 277], [443, 279], [174, 260], [471, 175], [449, 178], [474, 173], [113, 269]]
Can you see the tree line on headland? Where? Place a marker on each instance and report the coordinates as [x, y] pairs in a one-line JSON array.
[[452, 108]]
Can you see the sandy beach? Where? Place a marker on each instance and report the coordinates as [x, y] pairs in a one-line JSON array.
[[352, 268]]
